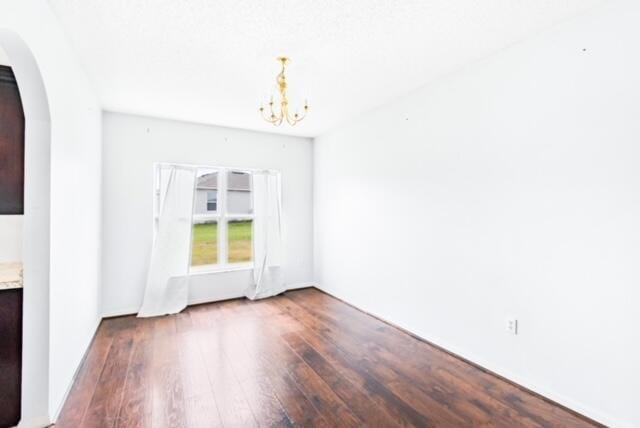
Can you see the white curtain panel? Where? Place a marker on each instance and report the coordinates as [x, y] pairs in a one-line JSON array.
[[267, 236], [168, 277]]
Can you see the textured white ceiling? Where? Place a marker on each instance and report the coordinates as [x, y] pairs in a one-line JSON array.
[[213, 61]]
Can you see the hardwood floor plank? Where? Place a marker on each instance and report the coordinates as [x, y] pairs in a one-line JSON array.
[[192, 365], [200, 404], [201, 411], [184, 322], [256, 373], [358, 401], [162, 327], [354, 370], [136, 405], [233, 407], [200, 316], [79, 398], [104, 408], [302, 359], [297, 406], [168, 406], [323, 398]]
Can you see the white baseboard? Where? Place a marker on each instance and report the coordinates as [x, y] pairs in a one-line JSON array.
[[120, 312], [298, 285], [36, 422], [134, 310]]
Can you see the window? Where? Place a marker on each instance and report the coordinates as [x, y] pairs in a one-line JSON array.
[[212, 200], [222, 232], [223, 219]]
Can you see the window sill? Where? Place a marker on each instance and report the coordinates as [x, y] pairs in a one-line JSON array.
[[206, 270]]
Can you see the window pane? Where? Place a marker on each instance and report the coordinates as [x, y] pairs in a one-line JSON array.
[[206, 192], [212, 200], [239, 199], [240, 232], [204, 249]]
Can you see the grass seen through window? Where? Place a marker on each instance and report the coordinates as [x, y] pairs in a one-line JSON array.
[[240, 241], [205, 243]]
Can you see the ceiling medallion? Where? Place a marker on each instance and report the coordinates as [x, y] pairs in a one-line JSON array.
[[278, 117]]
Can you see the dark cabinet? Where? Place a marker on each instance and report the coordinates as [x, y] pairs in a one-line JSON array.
[[11, 145], [11, 202], [10, 356]]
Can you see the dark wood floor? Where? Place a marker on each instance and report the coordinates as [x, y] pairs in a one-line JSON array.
[[302, 359]]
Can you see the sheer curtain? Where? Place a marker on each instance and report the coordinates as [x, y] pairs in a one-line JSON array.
[[168, 277], [267, 236]]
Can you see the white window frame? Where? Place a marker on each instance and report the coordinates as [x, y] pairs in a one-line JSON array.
[[221, 216]]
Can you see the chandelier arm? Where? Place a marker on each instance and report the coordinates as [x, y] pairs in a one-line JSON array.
[[273, 112], [292, 120], [303, 115], [266, 117]]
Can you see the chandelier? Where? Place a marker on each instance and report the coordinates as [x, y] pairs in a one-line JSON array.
[[278, 117]]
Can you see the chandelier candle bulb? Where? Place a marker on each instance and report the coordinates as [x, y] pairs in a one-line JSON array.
[[277, 118]]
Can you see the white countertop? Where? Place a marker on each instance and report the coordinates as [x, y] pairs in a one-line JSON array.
[[10, 275]]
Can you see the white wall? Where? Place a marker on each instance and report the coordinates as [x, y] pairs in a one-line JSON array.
[[510, 188], [62, 206], [11, 238], [132, 144], [4, 58]]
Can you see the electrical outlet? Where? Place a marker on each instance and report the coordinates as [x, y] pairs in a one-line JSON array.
[[512, 325]]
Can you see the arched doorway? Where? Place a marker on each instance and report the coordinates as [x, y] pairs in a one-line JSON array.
[[36, 236]]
